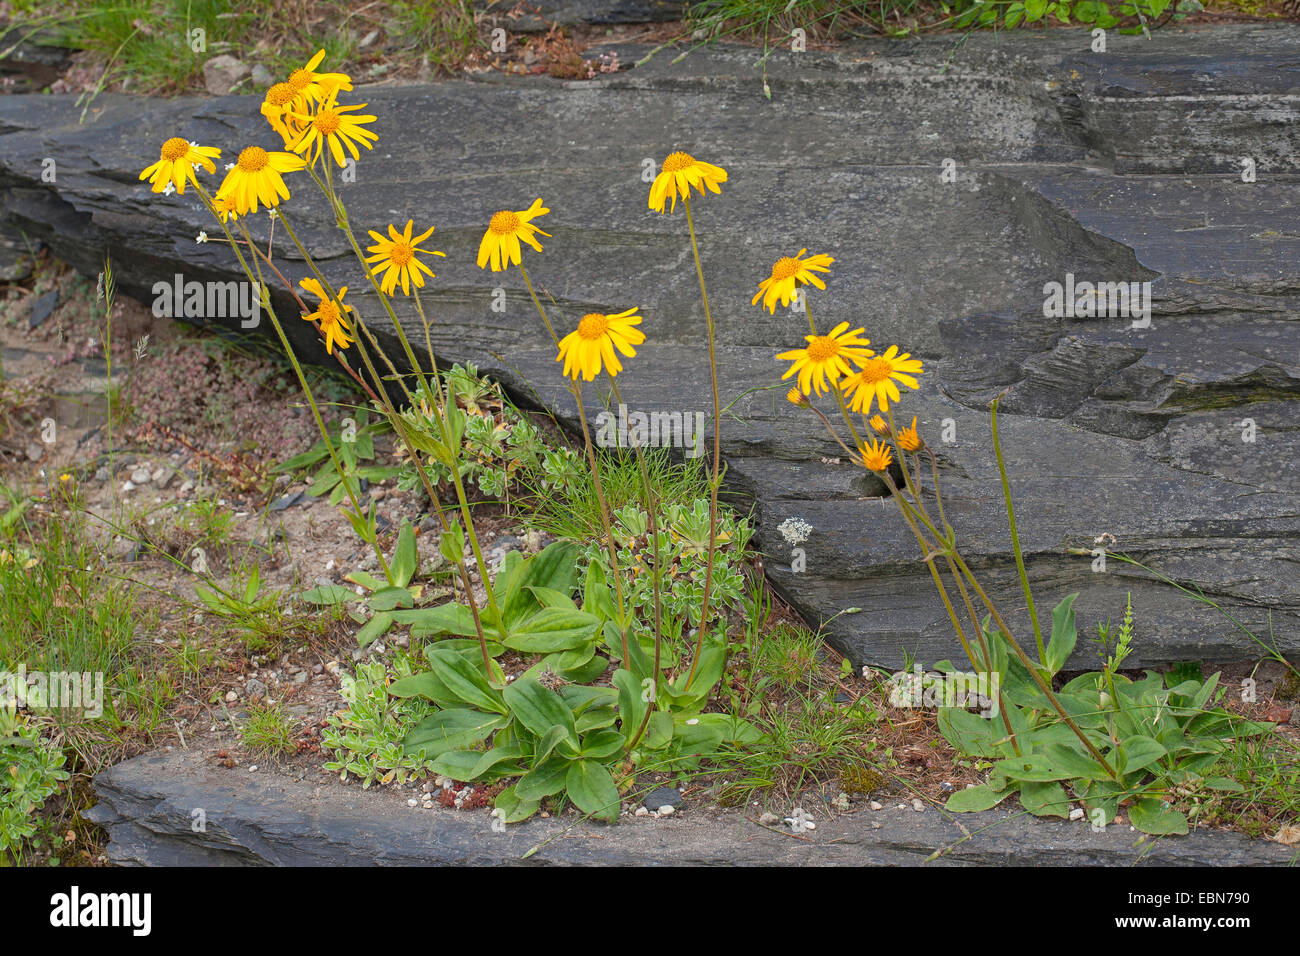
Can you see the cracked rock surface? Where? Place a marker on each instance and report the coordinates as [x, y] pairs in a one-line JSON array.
[[1121, 167]]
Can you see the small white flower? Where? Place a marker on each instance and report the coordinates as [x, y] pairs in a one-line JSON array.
[[201, 237], [168, 189], [272, 214], [229, 166]]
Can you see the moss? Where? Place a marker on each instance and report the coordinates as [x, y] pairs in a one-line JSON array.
[[860, 781], [1288, 687]]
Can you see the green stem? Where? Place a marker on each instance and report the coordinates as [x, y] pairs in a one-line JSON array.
[[717, 449], [576, 388], [1015, 537]]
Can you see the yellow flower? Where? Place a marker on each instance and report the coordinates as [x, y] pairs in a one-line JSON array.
[[65, 477], [330, 124], [826, 357], [331, 314], [176, 162], [596, 338], [795, 397], [789, 273], [256, 178], [504, 233], [281, 102], [876, 380], [224, 204], [908, 439], [678, 174], [879, 424], [307, 84], [875, 457], [397, 255]]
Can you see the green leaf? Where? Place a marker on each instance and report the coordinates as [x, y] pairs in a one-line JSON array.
[[465, 680], [539, 709], [974, 799], [444, 619], [367, 581], [425, 684], [374, 628], [1153, 815], [549, 597], [973, 735], [555, 567], [452, 543], [1044, 799], [405, 558], [328, 594], [551, 629], [631, 709], [1035, 9], [602, 744], [456, 764], [592, 790], [514, 807], [389, 599], [451, 729], [1139, 751], [546, 779], [1064, 634]]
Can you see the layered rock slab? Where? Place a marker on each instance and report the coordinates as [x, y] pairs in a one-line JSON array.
[[1064, 164]]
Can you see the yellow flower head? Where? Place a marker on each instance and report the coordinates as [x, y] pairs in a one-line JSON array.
[[331, 314], [826, 357], [397, 255], [256, 177], [876, 457], [504, 233], [795, 397], [877, 378], [176, 162], [596, 338], [678, 174], [224, 204], [879, 424], [789, 273], [308, 85], [65, 477], [279, 107], [908, 439], [332, 124]]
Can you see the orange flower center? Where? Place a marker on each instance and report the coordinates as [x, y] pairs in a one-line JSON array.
[[875, 371], [253, 159], [174, 149], [329, 313], [676, 162], [281, 94], [299, 80], [327, 123], [785, 268], [400, 254], [822, 348], [504, 223], [593, 326]]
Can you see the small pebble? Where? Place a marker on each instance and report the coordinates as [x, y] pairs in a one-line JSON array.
[[1076, 814], [877, 806], [642, 812], [666, 810], [231, 697], [918, 806], [769, 819], [412, 802], [253, 769]]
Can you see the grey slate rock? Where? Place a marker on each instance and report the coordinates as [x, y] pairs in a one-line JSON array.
[[663, 797], [1116, 167], [42, 308], [265, 819]]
